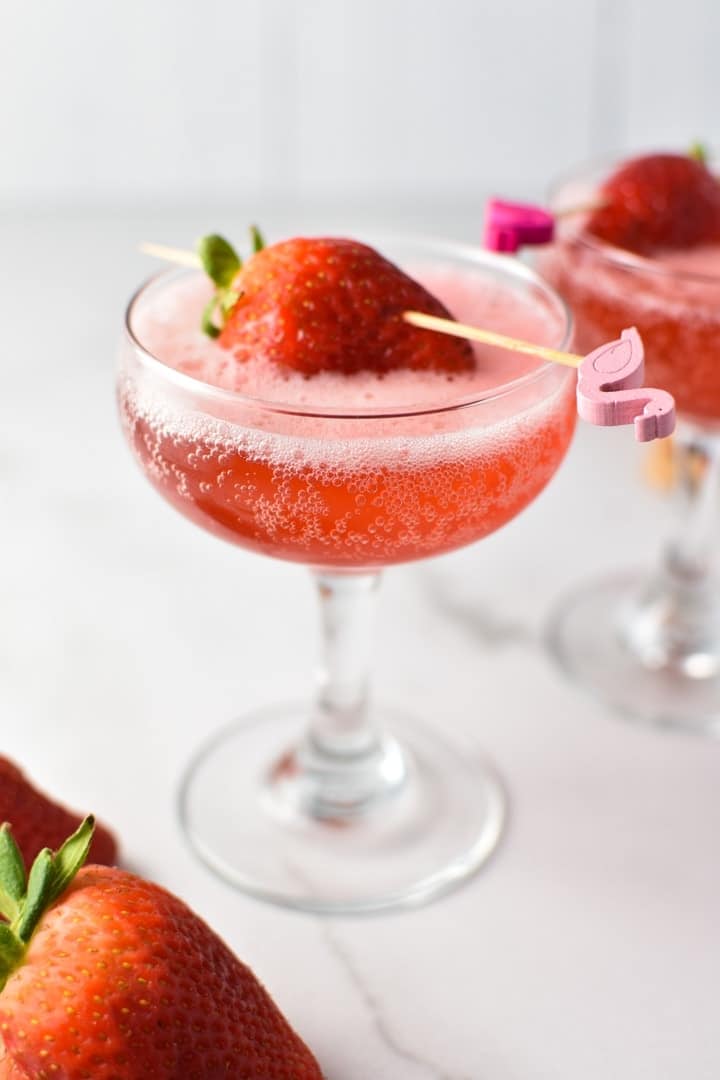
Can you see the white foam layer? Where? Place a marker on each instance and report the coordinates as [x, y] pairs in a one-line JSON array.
[[167, 323], [355, 442]]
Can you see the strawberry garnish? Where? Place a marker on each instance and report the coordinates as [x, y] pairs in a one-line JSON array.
[[37, 821], [106, 976], [324, 304], [659, 202]]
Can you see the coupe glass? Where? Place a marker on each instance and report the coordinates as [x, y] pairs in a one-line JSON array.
[[648, 641], [340, 805]]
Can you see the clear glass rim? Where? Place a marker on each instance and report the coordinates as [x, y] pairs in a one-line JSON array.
[[452, 249], [609, 253]]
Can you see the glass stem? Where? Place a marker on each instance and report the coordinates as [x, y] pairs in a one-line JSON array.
[[346, 764], [340, 722], [690, 556], [675, 621]]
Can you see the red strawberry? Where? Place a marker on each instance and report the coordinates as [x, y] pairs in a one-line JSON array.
[[113, 978], [37, 821], [327, 305], [657, 202]]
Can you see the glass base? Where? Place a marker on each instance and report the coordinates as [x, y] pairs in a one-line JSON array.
[[618, 638], [248, 810]]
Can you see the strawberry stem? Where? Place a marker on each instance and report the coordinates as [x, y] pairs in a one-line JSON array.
[[207, 322], [23, 904]]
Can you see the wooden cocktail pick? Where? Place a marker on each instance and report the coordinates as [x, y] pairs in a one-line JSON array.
[[172, 254], [489, 337]]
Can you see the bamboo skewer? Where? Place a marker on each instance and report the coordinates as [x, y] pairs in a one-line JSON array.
[[172, 254], [489, 337], [581, 208]]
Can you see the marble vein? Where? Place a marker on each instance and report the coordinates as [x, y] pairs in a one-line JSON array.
[[425, 1068]]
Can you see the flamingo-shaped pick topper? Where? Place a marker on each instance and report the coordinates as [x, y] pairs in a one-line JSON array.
[[610, 390]]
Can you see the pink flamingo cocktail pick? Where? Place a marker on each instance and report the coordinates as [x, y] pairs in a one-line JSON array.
[[609, 388]]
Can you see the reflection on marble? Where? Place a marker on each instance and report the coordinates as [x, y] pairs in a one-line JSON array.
[[487, 626]]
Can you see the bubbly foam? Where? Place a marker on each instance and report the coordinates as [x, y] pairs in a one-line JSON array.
[[359, 500], [167, 323]]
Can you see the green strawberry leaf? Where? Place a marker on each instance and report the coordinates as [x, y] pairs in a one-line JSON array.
[[228, 298], [12, 875], [38, 887], [220, 260], [68, 859], [209, 326], [11, 953], [221, 263], [256, 239], [698, 152]]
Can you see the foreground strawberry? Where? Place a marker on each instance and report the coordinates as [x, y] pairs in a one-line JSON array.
[[316, 304], [659, 202], [36, 820], [105, 976]]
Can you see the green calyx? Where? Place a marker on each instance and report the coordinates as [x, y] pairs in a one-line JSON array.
[[698, 152], [24, 900], [221, 263]]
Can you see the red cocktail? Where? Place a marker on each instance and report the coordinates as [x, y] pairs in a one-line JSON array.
[[650, 642]]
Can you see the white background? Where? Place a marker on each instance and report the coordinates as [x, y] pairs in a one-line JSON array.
[[115, 102]]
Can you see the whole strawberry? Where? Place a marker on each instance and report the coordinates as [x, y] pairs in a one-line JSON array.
[[659, 202], [38, 821], [315, 304], [105, 976]]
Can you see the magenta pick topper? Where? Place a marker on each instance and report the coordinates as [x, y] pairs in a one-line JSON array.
[[511, 225]]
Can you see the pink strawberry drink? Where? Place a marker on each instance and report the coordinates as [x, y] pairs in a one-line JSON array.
[[347, 471]]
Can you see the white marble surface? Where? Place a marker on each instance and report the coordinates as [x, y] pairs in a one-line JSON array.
[[590, 946]]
